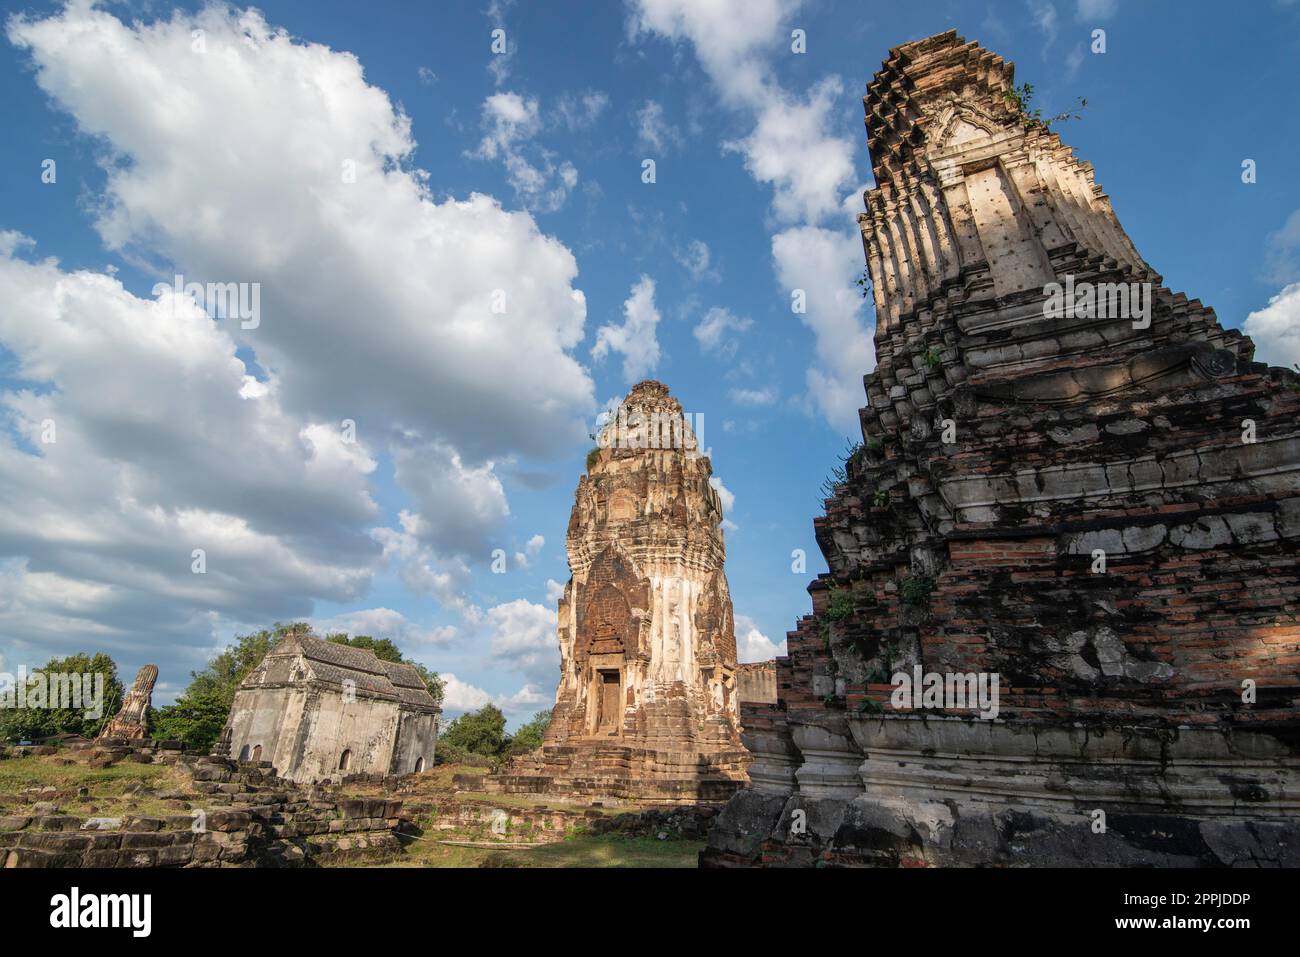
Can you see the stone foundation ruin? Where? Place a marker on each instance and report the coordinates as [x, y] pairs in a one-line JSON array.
[[223, 813]]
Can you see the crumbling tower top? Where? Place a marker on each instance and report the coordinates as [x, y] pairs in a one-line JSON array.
[[912, 86], [978, 212]]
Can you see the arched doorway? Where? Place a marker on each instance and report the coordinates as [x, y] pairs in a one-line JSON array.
[[257, 754], [243, 754], [607, 621], [419, 764], [345, 759]]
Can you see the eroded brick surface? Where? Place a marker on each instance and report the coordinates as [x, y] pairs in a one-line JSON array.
[[647, 704], [1005, 452]]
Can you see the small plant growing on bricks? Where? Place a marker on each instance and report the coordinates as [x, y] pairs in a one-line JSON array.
[[916, 589]]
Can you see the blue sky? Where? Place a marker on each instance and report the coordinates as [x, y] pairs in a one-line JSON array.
[[521, 172]]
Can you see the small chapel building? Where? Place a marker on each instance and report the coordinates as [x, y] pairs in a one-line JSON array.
[[318, 710]]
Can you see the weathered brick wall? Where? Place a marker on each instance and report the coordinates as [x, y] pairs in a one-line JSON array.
[[1100, 512], [1200, 585]]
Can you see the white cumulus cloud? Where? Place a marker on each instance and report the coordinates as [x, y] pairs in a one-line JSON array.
[[384, 623], [113, 473], [711, 331], [635, 339], [752, 645], [823, 263], [1276, 328], [522, 637], [796, 148]]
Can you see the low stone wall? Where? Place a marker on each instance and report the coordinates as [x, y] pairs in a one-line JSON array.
[[946, 791], [240, 815], [102, 751], [483, 820], [613, 774]]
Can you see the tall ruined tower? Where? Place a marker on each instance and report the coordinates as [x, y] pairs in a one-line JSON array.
[[646, 707], [1074, 483]]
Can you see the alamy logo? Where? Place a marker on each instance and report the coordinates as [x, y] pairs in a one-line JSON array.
[[54, 691], [1101, 300], [220, 300], [74, 909], [933, 689]]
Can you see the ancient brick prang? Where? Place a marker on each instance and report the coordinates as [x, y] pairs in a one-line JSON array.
[[1072, 480], [646, 707], [131, 720]]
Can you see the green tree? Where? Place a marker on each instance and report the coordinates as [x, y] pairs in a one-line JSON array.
[[382, 647], [200, 712], [18, 724], [479, 732], [529, 736], [432, 681], [196, 719]]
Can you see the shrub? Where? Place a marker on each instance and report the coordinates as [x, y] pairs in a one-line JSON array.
[[840, 604], [916, 589], [529, 736], [480, 732], [839, 476]]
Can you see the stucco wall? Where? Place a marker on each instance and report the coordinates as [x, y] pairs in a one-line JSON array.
[[309, 701], [367, 727], [269, 717], [416, 737], [303, 734]]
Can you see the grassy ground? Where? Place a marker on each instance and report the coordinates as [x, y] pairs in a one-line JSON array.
[[606, 850], [41, 771], [578, 849], [108, 797], [107, 787]]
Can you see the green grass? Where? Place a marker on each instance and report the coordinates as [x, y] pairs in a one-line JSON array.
[[106, 786], [34, 771], [579, 850]]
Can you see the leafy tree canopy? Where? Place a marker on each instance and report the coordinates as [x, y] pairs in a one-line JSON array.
[[200, 712], [529, 736], [382, 647], [479, 732], [17, 724]]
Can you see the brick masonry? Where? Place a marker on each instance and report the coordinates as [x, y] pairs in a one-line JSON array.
[[646, 708], [1102, 512]]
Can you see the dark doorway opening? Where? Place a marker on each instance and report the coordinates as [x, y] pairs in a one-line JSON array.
[[611, 703]]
